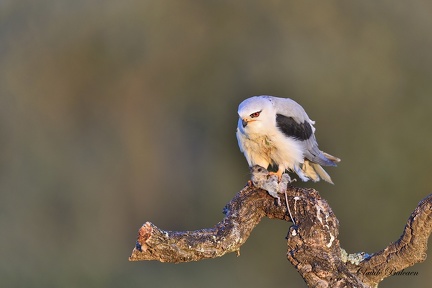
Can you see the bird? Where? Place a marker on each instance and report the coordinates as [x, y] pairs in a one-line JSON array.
[[276, 132]]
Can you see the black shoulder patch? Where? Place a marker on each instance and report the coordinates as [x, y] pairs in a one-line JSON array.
[[288, 126]]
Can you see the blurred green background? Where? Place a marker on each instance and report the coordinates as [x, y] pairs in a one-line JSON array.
[[113, 113]]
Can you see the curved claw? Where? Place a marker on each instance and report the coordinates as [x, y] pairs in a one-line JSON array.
[[278, 174]]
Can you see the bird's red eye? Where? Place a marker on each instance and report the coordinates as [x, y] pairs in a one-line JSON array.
[[255, 115]]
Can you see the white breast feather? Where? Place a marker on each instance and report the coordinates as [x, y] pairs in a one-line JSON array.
[[270, 148]]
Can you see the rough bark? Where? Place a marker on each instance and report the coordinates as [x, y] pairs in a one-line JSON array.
[[313, 245]]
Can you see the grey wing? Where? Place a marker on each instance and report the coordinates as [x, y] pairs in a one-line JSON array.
[[289, 108], [303, 133], [292, 120], [314, 154]]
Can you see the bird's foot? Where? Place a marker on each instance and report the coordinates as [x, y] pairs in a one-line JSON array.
[[270, 181], [278, 174]]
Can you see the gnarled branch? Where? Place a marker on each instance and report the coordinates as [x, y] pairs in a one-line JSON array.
[[242, 214], [313, 245]]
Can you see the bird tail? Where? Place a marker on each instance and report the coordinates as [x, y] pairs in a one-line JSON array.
[[315, 172], [331, 157], [322, 158]]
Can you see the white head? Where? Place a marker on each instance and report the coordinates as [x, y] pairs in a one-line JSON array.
[[255, 114]]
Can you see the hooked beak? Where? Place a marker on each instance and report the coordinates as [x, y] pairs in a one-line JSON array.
[[244, 123]]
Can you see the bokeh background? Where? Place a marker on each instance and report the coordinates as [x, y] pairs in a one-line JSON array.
[[113, 113]]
